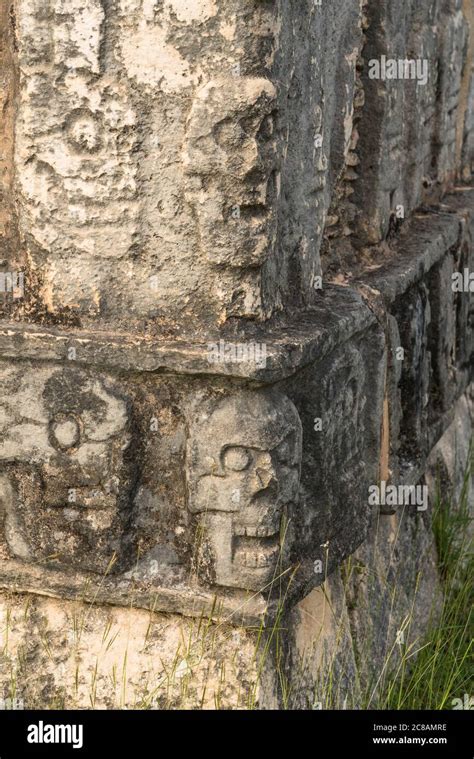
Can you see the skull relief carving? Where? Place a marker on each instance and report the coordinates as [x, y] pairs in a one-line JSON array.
[[63, 477], [232, 167], [243, 476]]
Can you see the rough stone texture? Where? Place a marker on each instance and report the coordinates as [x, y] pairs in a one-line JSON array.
[[413, 126], [82, 488], [346, 634], [450, 457], [60, 654], [178, 179], [431, 322], [120, 181]]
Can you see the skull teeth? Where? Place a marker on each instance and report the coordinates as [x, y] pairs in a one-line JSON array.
[[256, 553], [253, 531], [257, 558]]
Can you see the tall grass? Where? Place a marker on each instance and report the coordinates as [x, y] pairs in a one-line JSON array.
[[440, 669]]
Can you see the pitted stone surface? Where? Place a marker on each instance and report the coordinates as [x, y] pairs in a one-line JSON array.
[[184, 181]]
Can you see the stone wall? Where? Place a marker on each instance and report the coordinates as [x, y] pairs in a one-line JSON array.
[[236, 304]]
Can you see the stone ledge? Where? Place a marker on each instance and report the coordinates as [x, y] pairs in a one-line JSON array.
[[336, 363], [235, 607], [423, 242], [289, 346]]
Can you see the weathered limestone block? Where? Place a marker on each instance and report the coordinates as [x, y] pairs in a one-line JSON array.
[[124, 205], [383, 141], [174, 490], [108, 98], [320, 665], [411, 127], [175, 179], [465, 126], [340, 403], [9, 248], [428, 327], [454, 57], [74, 140], [452, 457], [59, 654], [316, 64], [345, 638], [64, 479]]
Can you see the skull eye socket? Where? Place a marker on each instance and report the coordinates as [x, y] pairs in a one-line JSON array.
[[236, 459], [65, 432]]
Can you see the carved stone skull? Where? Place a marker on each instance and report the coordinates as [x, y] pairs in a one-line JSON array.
[[244, 462], [232, 167], [62, 467]]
